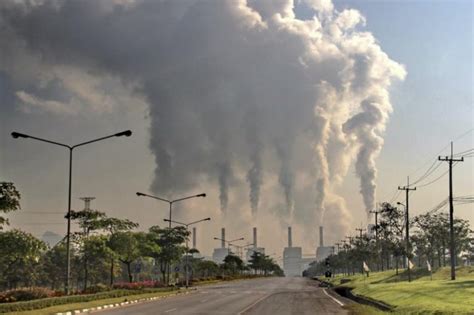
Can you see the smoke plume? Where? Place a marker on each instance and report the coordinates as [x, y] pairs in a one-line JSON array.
[[235, 90]]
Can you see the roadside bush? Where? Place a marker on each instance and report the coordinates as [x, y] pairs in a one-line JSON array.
[[25, 294], [48, 302], [96, 288], [138, 285]]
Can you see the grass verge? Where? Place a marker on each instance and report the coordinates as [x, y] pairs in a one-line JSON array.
[[422, 295]]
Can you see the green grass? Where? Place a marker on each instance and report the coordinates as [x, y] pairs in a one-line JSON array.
[[422, 295], [360, 309], [74, 306]]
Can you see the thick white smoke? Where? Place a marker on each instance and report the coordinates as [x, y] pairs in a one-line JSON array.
[[236, 89]]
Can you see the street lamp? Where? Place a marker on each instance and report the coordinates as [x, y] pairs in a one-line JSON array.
[[170, 202], [187, 249], [16, 135], [229, 243]]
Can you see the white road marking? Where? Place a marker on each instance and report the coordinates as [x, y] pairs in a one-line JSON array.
[[171, 310], [333, 298], [253, 304]]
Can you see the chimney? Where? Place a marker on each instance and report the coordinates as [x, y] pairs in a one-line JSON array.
[[321, 237], [290, 243], [194, 237], [223, 238], [254, 237]]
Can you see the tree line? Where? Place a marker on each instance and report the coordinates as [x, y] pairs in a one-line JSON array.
[[107, 250], [385, 248]]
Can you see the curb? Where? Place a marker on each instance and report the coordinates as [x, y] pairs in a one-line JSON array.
[[346, 292], [121, 304]]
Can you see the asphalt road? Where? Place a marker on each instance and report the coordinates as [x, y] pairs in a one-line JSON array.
[[250, 297]]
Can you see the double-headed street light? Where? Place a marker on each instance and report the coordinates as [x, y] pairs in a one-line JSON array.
[[187, 248], [242, 247], [170, 202], [229, 243], [16, 135]]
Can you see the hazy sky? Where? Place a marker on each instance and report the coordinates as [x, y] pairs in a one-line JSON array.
[[176, 77]]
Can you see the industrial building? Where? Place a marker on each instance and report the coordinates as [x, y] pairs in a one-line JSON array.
[[322, 252], [254, 248], [220, 253], [292, 258]]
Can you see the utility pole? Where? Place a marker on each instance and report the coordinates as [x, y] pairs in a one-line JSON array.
[[407, 190], [360, 232], [452, 249], [338, 247], [376, 212], [344, 243]]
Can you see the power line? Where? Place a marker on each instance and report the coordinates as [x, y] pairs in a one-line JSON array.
[[428, 172], [435, 180], [464, 152], [424, 176]]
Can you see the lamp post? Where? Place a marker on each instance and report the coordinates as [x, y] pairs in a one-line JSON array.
[[187, 249], [16, 135], [170, 202], [407, 239], [241, 248], [229, 243]]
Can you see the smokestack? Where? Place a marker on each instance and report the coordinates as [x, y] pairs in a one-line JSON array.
[[194, 237], [254, 237], [290, 243], [321, 239], [223, 238]]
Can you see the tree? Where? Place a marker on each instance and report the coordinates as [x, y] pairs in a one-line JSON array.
[[432, 236], [19, 256], [114, 226], [96, 255], [165, 245], [9, 200], [233, 264], [88, 220], [390, 231], [206, 268], [53, 267], [127, 246]]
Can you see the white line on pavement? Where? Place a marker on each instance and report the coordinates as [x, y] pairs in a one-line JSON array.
[[171, 310], [253, 304], [333, 298]]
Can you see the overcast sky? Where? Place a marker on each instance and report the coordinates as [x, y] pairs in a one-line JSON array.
[[302, 115]]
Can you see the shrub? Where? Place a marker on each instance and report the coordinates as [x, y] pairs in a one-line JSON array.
[[96, 289], [138, 285], [48, 302], [25, 294]]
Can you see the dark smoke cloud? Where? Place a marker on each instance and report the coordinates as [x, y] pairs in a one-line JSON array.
[[227, 83]]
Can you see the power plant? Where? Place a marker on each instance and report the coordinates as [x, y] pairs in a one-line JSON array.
[[294, 262], [292, 258], [254, 248], [322, 252], [220, 253]]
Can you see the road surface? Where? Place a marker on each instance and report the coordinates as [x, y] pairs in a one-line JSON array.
[[272, 296]]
